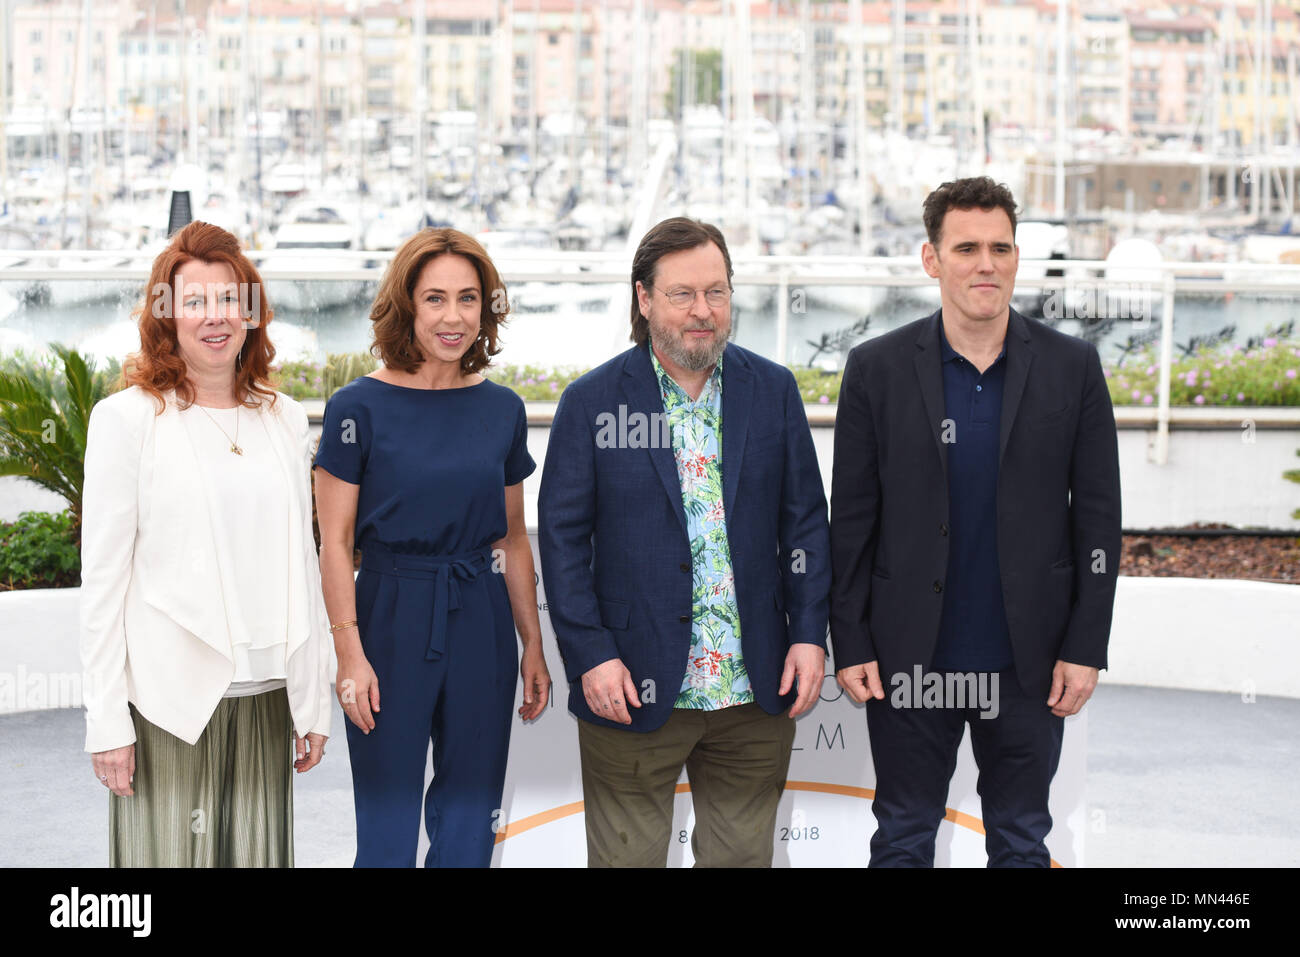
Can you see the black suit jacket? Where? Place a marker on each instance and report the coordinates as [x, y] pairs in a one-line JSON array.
[[1058, 502]]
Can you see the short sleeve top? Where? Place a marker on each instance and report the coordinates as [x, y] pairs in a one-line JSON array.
[[432, 464]]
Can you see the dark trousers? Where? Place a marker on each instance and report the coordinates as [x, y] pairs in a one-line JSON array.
[[736, 759], [915, 753], [463, 701]]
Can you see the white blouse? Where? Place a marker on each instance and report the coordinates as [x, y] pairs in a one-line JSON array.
[[251, 511]]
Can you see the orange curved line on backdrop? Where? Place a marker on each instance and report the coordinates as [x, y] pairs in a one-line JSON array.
[[960, 818]]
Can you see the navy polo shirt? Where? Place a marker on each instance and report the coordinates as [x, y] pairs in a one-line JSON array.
[[973, 631]]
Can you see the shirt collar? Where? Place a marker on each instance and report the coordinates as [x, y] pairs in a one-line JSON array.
[[668, 383]]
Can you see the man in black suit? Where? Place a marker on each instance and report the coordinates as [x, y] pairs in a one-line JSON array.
[[975, 540]]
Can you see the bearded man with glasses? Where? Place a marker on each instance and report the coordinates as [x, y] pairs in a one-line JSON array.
[[684, 543]]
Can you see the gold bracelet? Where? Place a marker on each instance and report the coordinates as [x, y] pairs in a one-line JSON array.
[[341, 625]]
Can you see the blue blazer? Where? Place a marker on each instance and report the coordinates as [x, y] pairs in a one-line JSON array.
[[613, 542]]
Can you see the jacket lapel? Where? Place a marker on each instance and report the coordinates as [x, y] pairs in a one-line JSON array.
[[1019, 357], [737, 400], [929, 374], [641, 389]]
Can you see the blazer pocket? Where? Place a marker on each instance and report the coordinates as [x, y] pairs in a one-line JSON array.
[[766, 443], [1051, 419], [877, 573], [1064, 563], [613, 614]]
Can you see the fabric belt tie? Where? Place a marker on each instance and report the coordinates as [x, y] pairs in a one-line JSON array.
[[445, 571]]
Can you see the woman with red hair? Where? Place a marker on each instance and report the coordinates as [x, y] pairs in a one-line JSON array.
[[203, 634]]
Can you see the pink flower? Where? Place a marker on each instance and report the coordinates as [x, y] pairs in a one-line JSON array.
[[1241, 397], [1199, 400], [824, 400], [1148, 399], [1269, 343], [1290, 373], [1137, 394]]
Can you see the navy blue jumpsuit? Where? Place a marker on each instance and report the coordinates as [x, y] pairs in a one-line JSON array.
[[432, 608]]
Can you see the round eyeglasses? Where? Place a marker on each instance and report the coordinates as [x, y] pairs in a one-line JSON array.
[[682, 298]]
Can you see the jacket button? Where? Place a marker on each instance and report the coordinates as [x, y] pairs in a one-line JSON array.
[[938, 586], [943, 528], [684, 619], [685, 567]]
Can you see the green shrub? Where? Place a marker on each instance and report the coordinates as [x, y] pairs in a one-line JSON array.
[[1267, 375], [342, 367], [309, 380], [534, 383], [1224, 376], [39, 551], [298, 380]]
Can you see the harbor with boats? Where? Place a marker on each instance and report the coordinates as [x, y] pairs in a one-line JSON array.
[[557, 131]]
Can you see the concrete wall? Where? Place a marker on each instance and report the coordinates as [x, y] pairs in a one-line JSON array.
[[1237, 637], [1211, 476]]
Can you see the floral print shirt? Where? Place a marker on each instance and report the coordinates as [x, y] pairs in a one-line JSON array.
[[715, 671]]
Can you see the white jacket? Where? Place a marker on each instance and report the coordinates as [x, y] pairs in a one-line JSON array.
[[153, 631]]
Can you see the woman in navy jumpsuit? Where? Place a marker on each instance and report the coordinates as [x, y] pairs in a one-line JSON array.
[[419, 466]]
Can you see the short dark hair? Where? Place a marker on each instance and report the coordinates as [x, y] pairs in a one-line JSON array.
[[671, 236], [974, 192]]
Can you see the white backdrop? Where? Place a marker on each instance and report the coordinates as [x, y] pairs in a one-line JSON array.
[[824, 819]]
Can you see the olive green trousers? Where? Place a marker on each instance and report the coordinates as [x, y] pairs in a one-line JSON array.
[[225, 801], [736, 760]]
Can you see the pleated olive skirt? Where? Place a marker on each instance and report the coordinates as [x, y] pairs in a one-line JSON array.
[[225, 801]]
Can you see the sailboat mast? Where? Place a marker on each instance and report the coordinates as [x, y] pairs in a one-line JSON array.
[[86, 164], [858, 139], [976, 82], [4, 105], [422, 103], [1059, 198], [320, 88], [806, 110]]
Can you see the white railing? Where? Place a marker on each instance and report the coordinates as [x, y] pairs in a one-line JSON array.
[[785, 273]]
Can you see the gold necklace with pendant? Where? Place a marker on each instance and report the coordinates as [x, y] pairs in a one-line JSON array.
[[234, 443]]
